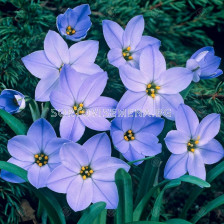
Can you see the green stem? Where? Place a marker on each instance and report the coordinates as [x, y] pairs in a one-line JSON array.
[[135, 161]]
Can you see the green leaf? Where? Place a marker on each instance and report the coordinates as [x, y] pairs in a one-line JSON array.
[[51, 205], [186, 91], [145, 222], [159, 199], [15, 124], [91, 213], [101, 218], [14, 169], [194, 180], [212, 175], [177, 221], [124, 211], [145, 200], [45, 109], [207, 208], [34, 109]]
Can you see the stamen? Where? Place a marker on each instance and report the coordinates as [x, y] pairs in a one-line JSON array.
[[129, 135], [152, 89], [157, 87], [128, 48], [70, 30], [86, 172], [196, 142], [41, 159], [192, 150], [130, 57]]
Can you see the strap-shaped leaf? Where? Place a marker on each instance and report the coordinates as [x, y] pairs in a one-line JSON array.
[[15, 124], [91, 213], [177, 221], [101, 218], [47, 199], [124, 211], [34, 109]]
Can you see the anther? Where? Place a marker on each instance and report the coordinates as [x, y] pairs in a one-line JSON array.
[[196, 142], [128, 48], [130, 57], [40, 164], [153, 95], [157, 87], [84, 177]]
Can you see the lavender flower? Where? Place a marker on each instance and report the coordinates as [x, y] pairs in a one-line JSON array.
[[135, 137], [46, 64], [204, 64], [12, 101], [75, 23], [80, 102], [126, 45], [192, 145], [38, 153], [87, 173], [153, 90]]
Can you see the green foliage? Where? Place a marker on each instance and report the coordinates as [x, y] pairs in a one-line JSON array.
[[182, 26]]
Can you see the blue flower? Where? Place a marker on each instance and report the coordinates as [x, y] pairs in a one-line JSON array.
[[87, 173], [135, 136], [37, 152], [12, 101], [204, 64], [153, 90], [192, 145], [75, 23], [79, 101], [126, 45], [47, 64]]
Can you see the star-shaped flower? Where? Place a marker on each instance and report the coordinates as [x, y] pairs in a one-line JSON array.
[[75, 23], [153, 89], [46, 64], [37, 152], [126, 45], [80, 102], [192, 145], [87, 173]]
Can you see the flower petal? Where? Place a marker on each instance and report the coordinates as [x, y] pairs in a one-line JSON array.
[[176, 142], [115, 57], [10, 177], [83, 52], [80, 193], [106, 192], [38, 65], [96, 123], [87, 68], [60, 179], [104, 168], [113, 34], [38, 176], [146, 144], [147, 41], [98, 146], [170, 104], [176, 166], [104, 106], [208, 128], [74, 156], [195, 165], [174, 80], [23, 148], [186, 120], [211, 152], [152, 63], [71, 128], [132, 155], [45, 87], [41, 132], [92, 88], [133, 79], [133, 32], [56, 49], [82, 11]]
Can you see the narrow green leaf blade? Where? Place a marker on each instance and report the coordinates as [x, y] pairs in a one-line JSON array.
[[158, 202], [101, 218], [177, 221], [124, 211], [194, 180], [34, 109], [91, 213], [145, 222], [15, 124], [207, 208]]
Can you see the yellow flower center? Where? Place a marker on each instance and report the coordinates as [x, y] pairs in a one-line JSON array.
[[127, 54], [129, 135], [192, 144], [79, 109], [86, 172], [70, 30], [41, 159], [152, 89]]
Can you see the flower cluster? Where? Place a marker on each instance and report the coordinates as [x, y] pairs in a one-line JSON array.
[[73, 83]]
